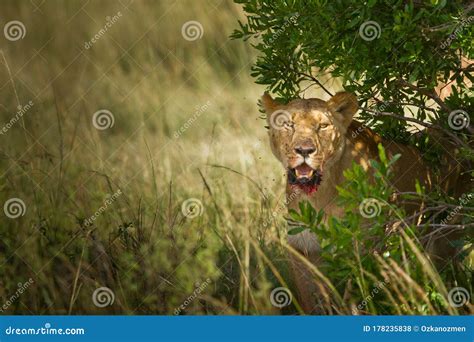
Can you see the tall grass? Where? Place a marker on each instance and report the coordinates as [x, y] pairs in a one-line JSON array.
[[153, 81], [186, 126]]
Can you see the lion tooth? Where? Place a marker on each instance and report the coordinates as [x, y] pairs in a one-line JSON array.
[[297, 173], [310, 174]]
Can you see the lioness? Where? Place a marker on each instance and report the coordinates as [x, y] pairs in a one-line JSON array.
[[316, 141]]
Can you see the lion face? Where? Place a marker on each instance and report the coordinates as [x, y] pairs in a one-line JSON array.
[[308, 135]]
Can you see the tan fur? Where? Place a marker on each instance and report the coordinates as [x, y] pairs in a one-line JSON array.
[[340, 143]]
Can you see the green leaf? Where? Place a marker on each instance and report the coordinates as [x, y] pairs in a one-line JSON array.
[[296, 230]]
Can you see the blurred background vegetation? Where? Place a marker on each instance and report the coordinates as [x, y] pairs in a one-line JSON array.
[[53, 158], [186, 126]]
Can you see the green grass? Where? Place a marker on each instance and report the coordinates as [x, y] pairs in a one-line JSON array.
[[140, 245], [153, 81]]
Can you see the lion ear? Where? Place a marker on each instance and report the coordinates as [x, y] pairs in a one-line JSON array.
[[343, 105], [269, 104]]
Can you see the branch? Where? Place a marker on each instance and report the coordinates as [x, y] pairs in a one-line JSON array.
[[420, 122], [427, 92], [415, 105], [315, 80], [447, 226], [442, 230]]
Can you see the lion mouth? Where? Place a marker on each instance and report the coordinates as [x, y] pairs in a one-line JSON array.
[[305, 177]]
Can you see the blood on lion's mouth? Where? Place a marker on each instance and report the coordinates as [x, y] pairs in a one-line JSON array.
[[305, 177]]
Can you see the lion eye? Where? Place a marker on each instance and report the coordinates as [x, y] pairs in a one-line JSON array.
[[323, 126]]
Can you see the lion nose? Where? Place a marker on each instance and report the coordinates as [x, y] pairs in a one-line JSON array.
[[305, 151]]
